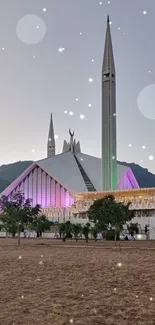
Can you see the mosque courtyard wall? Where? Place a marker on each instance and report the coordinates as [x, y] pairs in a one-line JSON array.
[[142, 202]]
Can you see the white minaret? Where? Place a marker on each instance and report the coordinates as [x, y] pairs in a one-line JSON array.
[[51, 140], [109, 143]]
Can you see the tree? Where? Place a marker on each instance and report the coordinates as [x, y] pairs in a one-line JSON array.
[[62, 230], [107, 213], [68, 229], [120, 216], [76, 230], [16, 213], [97, 215], [133, 228], [40, 224], [65, 229], [86, 231], [94, 232]]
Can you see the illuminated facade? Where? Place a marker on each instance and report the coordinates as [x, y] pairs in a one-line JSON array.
[[54, 182], [142, 202], [141, 199], [41, 188]]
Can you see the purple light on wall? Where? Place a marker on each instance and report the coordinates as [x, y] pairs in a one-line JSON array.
[[72, 200], [128, 182], [41, 188], [39, 201], [67, 199]]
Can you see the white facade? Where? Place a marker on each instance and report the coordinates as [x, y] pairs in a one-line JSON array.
[[41, 188], [52, 182]]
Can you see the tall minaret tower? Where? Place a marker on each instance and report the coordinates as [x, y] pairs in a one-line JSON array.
[[109, 143], [51, 140]]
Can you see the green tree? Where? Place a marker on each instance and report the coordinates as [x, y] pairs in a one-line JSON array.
[[40, 224], [16, 213], [133, 228], [68, 229], [97, 215], [65, 229], [86, 231], [62, 230], [94, 232], [107, 213], [76, 230]]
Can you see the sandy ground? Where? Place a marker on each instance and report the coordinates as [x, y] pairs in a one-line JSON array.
[[48, 282]]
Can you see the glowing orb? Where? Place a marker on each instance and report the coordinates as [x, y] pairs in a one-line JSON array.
[[28, 31], [119, 264], [146, 100], [61, 49]]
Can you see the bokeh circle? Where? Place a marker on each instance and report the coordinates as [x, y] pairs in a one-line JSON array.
[[146, 102], [31, 29]]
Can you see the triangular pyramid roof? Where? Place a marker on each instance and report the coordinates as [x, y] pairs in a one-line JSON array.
[[65, 168]]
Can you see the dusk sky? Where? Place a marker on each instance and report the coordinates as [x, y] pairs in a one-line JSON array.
[[50, 50]]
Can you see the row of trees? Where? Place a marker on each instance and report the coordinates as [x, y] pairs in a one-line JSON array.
[[105, 214], [68, 230], [77, 231], [18, 214]]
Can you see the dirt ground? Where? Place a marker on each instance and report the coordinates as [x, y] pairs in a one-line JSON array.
[[49, 282]]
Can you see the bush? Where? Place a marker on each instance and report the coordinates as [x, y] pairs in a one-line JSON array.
[[111, 235]]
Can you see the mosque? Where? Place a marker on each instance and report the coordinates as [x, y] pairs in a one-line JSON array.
[[66, 184]]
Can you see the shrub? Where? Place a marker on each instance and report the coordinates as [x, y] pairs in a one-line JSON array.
[[110, 235]]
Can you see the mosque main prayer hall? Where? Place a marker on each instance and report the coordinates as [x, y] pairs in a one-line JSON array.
[[66, 184]]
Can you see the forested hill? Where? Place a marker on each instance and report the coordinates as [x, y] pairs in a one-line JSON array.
[[11, 171]]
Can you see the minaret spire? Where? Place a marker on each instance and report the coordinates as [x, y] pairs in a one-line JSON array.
[[109, 145], [51, 140]]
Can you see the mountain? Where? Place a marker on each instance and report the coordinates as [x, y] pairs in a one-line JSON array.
[[3, 184], [11, 171]]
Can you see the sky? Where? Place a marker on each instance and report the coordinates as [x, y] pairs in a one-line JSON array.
[[50, 50]]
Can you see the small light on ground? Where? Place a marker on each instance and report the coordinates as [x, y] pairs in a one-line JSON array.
[[119, 264]]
